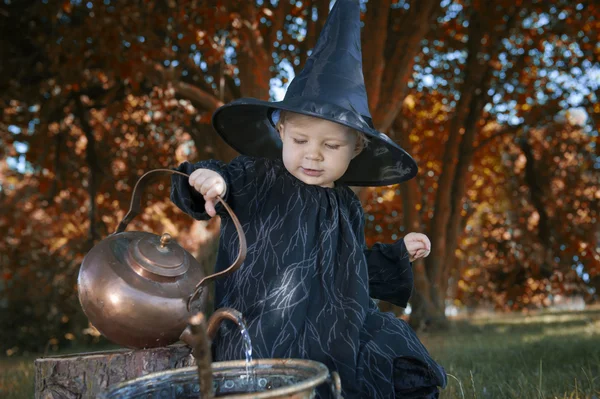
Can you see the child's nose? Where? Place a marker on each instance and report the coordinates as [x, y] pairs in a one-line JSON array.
[[314, 154]]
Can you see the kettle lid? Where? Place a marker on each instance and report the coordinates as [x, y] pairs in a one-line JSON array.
[[160, 256]]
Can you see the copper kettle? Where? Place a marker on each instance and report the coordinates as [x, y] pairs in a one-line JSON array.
[[140, 289]]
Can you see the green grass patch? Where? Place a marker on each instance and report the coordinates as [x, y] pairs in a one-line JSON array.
[[17, 377], [546, 355]]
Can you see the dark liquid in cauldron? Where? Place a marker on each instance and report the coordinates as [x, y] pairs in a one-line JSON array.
[[186, 387]]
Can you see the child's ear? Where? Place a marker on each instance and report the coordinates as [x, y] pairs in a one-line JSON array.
[[357, 149]]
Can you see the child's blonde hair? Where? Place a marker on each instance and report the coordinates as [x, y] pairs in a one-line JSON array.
[[361, 139]]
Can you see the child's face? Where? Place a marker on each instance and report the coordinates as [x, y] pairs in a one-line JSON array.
[[315, 150]]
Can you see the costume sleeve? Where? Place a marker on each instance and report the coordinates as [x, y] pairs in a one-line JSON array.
[[390, 272], [238, 175]]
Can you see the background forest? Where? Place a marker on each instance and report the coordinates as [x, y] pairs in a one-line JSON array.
[[497, 100]]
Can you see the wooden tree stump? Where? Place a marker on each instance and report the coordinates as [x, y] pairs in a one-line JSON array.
[[84, 375]]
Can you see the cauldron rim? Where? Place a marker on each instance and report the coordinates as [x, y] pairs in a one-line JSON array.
[[320, 374]]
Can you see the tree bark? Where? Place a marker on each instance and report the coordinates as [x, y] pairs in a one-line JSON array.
[[466, 152], [374, 38], [255, 58], [459, 184], [84, 375], [197, 96], [421, 305], [94, 169], [537, 192], [423, 310], [439, 223], [398, 68], [387, 73]]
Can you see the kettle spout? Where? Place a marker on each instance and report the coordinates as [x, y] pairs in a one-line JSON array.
[[214, 323], [199, 336], [221, 315], [195, 336]]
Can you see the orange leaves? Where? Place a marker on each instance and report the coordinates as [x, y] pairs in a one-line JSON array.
[[67, 6], [140, 122], [55, 244]]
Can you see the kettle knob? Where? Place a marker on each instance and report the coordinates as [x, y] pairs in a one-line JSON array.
[[165, 239]]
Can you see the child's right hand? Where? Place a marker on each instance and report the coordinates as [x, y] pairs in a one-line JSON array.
[[210, 184]]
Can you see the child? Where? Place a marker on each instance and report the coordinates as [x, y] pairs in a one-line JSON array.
[[305, 287]]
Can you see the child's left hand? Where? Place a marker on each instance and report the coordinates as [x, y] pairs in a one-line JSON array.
[[417, 245]]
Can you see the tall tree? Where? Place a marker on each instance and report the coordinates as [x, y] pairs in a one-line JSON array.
[[478, 70], [96, 93]]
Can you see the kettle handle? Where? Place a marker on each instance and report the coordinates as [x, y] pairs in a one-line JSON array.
[[134, 210]]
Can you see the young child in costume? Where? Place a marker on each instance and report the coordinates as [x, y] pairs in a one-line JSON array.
[[306, 285]]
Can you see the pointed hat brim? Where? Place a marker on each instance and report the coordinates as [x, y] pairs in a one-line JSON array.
[[246, 125]]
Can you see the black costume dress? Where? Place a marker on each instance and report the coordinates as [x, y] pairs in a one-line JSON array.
[[305, 287]]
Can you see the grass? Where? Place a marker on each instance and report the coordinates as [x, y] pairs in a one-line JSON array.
[[546, 355], [17, 377]]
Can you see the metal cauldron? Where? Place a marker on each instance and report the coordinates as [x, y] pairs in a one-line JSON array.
[[271, 378], [139, 289], [275, 378]]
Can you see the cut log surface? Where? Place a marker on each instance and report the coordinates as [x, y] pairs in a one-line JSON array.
[[84, 375]]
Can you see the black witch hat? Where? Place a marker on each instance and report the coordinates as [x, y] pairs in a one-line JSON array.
[[331, 86]]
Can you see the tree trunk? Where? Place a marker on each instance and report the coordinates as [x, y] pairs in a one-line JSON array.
[[84, 375], [443, 200], [466, 150], [255, 58], [459, 184], [446, 223], [374, 37], [398, 66], [94, 168], [537, 192], [422, 308], [387, 72]]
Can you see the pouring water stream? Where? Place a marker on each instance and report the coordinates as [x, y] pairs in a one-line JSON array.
[[200, 346]]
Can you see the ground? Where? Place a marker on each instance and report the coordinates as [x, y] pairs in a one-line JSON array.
[[543, 355]]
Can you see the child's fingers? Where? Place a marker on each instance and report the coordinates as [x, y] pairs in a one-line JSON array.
[[418, 241], [427, 243], [198, 181], [197, 174], [424, 241], [413, 246], [215, 189], [410, 248], [208, 184], [209, 206], [423, 253]]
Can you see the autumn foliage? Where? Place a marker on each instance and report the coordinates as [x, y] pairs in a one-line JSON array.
[[497, 101]]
